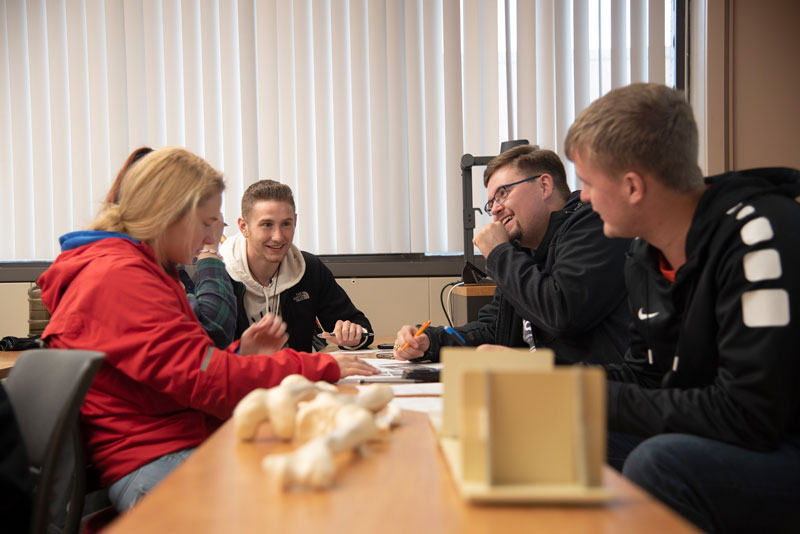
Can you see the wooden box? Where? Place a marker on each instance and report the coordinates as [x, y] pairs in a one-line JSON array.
[[517, 429]]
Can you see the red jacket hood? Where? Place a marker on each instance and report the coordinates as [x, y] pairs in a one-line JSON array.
[[55, 281]]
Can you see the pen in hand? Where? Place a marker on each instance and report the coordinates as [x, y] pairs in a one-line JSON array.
[[422, 328]]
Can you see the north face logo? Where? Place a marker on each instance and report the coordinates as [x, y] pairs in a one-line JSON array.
[[300, 296]]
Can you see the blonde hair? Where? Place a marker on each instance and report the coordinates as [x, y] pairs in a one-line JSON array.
[[640, 127], [162, 188]]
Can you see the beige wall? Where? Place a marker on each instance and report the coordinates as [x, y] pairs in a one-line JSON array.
[[743, 82], [388, 302], [764, 83], [14, 311]]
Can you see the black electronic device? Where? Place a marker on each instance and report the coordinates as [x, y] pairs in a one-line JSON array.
[[471, 275], [422, 374]]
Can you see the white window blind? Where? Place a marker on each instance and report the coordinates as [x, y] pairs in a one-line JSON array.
[[363, 107]]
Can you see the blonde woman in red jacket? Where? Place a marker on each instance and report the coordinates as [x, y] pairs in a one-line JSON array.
[[164, 387]]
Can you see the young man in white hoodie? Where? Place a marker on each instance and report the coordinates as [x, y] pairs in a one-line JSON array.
[[276, 277]]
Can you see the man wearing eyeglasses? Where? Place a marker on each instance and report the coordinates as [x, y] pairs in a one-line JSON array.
[[559, 280]]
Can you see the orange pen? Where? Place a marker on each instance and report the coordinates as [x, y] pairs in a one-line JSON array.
[[422, 328]]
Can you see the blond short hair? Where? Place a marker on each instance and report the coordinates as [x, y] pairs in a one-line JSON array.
[[162, 188], [641, 127]]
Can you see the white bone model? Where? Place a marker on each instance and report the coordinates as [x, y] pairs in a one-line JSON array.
[[313, 413]]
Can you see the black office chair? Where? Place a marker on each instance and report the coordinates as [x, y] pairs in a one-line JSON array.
[[46, 389]]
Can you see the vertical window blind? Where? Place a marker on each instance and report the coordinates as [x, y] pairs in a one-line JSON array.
[[363, 107]]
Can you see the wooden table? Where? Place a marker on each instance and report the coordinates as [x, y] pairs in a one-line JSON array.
[[9, 358], [7, 361], [401, 486]]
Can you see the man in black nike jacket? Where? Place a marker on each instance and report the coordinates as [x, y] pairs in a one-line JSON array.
[[705, 411]]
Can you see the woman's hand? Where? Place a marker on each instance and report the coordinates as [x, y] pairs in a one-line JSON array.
[[350, 364], [264, 337]]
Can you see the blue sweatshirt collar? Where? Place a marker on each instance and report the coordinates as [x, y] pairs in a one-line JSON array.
[[84, 237]]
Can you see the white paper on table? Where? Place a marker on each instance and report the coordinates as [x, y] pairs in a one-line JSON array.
[[391, 370], [429, 405]]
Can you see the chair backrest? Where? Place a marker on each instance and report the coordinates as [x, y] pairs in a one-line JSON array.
[[46, 388]]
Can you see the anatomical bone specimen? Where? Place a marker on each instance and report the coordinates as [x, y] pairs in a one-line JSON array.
[[315, 415]]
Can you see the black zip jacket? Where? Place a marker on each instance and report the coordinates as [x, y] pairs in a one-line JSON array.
[[571, 289], [316, 295], [16, 481], [715, 353]]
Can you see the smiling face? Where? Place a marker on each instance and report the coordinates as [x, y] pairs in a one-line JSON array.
[[524, 213], [269, 230], [184, 238]]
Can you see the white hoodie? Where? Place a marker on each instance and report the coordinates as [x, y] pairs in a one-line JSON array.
[[259, 299]]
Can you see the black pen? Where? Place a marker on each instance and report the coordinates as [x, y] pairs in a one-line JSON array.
[[388, 380]]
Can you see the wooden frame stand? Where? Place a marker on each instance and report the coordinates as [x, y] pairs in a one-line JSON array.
[[516, 429]]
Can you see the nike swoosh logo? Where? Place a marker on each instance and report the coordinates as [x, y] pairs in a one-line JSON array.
[[645, 316]]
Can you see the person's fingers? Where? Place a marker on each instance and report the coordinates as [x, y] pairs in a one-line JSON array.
[[344, 333], [398, 342], [277, 329], [347, 333], [416, 345], [284, 339], [408, 354], [351, 365], [355, 333], [267, 319], [363, 368], [337, 329], [273, 324], [407, 332], [406, 335], [269, 330]]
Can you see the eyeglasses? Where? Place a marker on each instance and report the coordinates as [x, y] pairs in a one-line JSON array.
[[501, 194]]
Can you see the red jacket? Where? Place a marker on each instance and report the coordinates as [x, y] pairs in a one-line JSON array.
[[164, 386]]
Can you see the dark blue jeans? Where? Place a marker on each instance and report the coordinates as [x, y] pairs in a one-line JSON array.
[[716, 486]]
